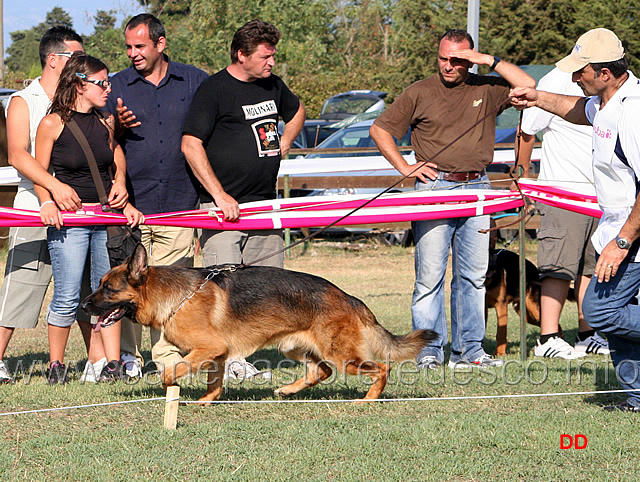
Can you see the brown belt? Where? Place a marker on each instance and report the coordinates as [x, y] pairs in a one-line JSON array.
[[461, 176]]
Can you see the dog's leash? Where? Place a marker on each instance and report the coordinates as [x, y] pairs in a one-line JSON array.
[[369, 201], [213, 272]]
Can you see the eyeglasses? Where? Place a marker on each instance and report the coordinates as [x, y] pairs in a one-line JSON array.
[[105, 84]]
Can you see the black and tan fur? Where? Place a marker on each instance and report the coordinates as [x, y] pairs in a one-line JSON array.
[[503, 287], [238, 312]]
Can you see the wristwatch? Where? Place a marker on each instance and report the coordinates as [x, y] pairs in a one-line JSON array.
[[496, 61], [622, 243]]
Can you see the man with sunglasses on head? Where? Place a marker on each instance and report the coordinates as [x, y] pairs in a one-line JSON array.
[[151, 99], [28, 268]]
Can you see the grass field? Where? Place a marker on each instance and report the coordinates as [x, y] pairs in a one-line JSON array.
[[444, 439]]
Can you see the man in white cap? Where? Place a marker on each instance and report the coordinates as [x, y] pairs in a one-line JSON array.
[[598, 66]]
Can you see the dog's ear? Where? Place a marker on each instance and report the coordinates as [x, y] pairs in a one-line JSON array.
[[137, 266]]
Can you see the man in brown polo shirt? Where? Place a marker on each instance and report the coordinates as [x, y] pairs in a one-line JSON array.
[[439, 109]]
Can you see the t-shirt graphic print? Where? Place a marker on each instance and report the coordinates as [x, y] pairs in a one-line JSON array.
[[265, 131]]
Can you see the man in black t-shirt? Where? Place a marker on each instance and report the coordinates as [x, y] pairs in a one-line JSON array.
[[230, 140]]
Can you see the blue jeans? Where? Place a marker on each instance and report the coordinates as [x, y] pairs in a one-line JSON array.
[[68, 249], [470, 259], [612, 308]]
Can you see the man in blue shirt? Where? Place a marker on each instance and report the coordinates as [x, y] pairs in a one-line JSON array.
[[152, 98]]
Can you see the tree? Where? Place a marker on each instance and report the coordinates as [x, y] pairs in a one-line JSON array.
[[23, 51], [107, 42]]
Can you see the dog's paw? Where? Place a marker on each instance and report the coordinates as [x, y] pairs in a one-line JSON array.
[[281, 392]]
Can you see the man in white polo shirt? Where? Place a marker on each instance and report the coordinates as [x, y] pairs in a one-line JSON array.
[[598, 66]]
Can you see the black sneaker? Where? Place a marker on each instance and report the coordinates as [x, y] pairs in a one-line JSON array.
[[622, 407], [57, 373], [112, 371]]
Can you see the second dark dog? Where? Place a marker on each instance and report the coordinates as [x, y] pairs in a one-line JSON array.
[[503, 287]]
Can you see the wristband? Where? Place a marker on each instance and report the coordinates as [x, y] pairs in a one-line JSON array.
[[496, 60], [46, 202]]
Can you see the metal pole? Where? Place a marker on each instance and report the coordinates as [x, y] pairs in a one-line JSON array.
[[523, 288], [473, 25], [1, 44]]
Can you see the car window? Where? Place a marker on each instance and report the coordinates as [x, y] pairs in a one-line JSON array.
[[352, 137], [349, 105]]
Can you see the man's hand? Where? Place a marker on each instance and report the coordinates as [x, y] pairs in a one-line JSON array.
[[472, 56], [424, 171], [65, 197], [134, 217], [284, 148], [229, 206], [609, 261], [523, 97], [118, 195], [126, 118]]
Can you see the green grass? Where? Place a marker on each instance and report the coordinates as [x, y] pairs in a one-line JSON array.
[[475, 439]]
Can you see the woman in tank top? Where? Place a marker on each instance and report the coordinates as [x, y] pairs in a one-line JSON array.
[[82, 89]]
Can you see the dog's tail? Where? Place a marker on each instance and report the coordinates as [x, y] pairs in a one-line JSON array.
[[388, 346]]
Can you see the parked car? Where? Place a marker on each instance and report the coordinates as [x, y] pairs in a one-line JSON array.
[[355, 135], [351, 103], [4, 96], [312, 134]]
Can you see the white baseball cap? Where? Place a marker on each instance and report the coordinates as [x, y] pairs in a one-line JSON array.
[[595, 46]]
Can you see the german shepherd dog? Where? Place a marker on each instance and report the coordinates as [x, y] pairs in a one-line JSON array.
[[503, 287], [220, 312]]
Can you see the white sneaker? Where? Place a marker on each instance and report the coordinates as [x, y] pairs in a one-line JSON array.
[[483, 361], [131, 365], [4, 373], [428, 361], [594, 344], [92, 371], [241, 369], [556, 347]]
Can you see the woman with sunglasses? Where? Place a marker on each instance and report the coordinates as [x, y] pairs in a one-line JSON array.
[[82, 90]]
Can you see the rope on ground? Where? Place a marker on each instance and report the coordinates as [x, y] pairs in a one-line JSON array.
[[172, 401], [56, 409], [417, 399]]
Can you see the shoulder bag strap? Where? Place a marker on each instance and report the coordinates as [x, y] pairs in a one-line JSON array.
[[93, 165]]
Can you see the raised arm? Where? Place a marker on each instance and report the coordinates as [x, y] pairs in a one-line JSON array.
[[570, 108], [510, 72]]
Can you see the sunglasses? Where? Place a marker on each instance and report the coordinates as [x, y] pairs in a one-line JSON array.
[[105, 84], [67, 54]]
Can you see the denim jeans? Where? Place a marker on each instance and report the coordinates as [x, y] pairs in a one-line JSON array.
[[612, 308], [470, 259], [68, 249]]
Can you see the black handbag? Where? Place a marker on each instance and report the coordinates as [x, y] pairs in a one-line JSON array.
[[121, 239]]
